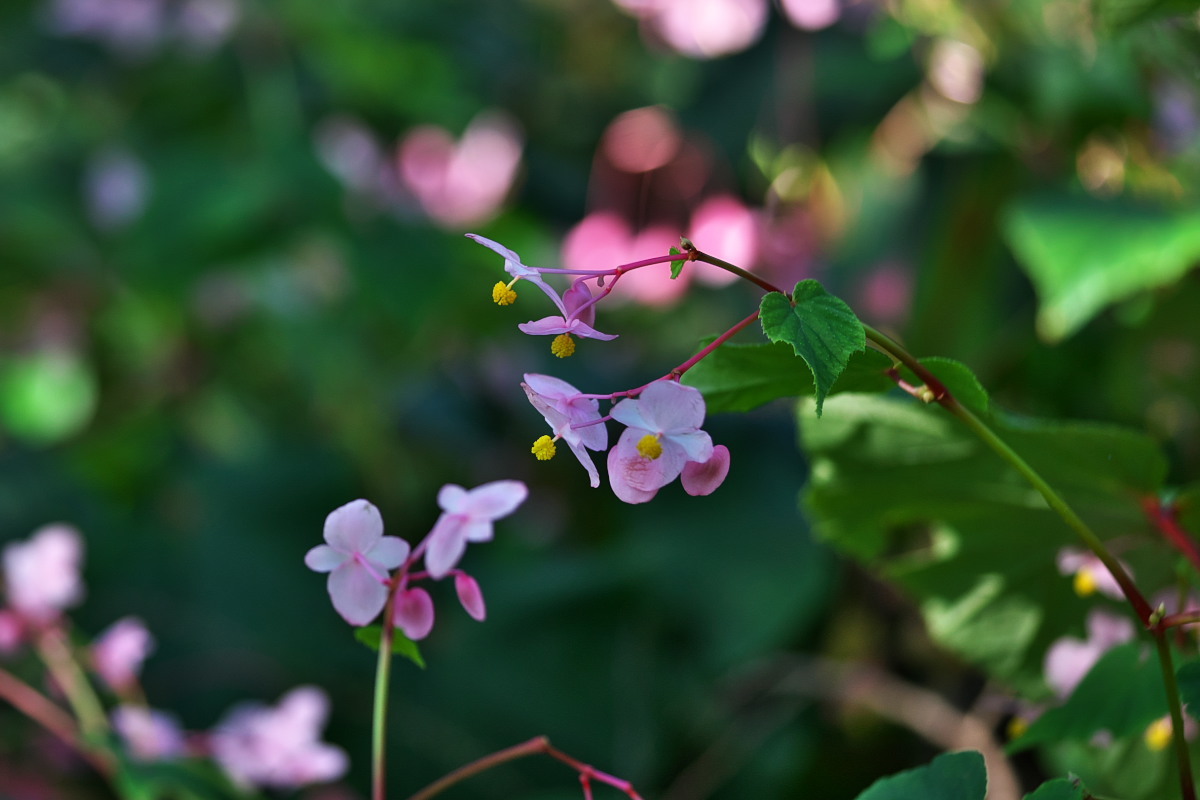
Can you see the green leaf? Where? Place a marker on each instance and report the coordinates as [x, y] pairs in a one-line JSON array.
[[1188, 676], [821, 329], [1059, 789], [740, 377], [908, 489], [1122, 694], [950, 776], [372, 635], [958, 379], [1083, 255], [676, 266]]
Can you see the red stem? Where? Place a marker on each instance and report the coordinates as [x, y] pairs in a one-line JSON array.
[[1166, 519]]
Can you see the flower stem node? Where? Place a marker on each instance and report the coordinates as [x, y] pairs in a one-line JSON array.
[[503, 294], [563, 345], [649, 446], [543, 449]]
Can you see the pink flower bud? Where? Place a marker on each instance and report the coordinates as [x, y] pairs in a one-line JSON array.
[[414, 613], [118, 653], [470, 595]]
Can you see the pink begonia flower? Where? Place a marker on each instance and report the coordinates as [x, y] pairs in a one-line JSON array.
[[413, 613], [278, 747], [465, 182], [572, 417], [702, 28], [663, 434], [467, 516], [357, 557], [470, 596], [41, 576], [701, 478], [812, 15], [514, 267], [1069, 659], [149, 735], [1090, 573], [118, 652]]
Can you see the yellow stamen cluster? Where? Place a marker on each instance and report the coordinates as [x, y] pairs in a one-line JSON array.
[[543, 449], [563, 345], [503, 294], [649, 446], [1017, 727], [1158, 735], [1085, 583]]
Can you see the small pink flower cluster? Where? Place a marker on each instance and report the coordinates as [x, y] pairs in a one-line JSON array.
[[255, 746], [359, 558], [662, 440]]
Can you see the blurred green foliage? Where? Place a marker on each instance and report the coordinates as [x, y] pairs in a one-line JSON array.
[[200, 361]]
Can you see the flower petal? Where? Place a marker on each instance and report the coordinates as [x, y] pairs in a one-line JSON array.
[[620, 486], [354, 527], [544, 326], [356, 594], [494, 500], [671, 406], [445, 544], [324, 558], [470, 595], [703, 478], [581, 328], [450, 497], [388, 553]]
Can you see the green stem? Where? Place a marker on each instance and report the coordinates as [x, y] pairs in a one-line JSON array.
[[766, 286], [1177, 737], [383, 671]]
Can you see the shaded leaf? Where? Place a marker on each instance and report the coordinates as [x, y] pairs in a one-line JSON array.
[[372, 635], [950, 776], [1059, 789]]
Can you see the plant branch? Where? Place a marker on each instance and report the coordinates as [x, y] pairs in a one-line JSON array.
[[41, 710], [383, 672], [1165, 517]]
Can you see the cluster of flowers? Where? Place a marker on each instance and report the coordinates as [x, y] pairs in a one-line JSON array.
[[275, 747], [358, 557], [662, 440]]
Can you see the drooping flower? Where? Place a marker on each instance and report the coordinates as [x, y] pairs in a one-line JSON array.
[[41, 575], [413, 613], [149, 735], [278, 748], [467, 516], [1069, 659], [514, 267], [572, 417], [662, 436], [1090, 574], [118, 652], [562, 328], [357, 557]]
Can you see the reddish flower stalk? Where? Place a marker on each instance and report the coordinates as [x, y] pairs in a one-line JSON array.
[[1165, 517]]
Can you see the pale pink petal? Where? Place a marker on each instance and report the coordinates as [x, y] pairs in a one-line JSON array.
[[451, 497], [149, 735], [617, 478], [695, 445], [494, 500], [637, 471], [12, 632], [514, 267], [119, 651], [574, 298], [414, 613], [41, 575], [580, 328], [324, 558], [703, 478], [354, 527], [470, 595], [812, 15], [445, 545], [580, 452], [356, 594], [670, 406], [388, 553]]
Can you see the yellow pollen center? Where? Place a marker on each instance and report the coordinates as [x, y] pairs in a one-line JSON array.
[[1158, 735], [1017, 727], [649, 446], [563, 345], [503, 294], [1085, 583], [543, 449]]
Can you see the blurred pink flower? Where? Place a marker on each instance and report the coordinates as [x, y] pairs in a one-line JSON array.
[[204, 25], [604, 240], [149, 735], [642, 139], [278, 747], [470, 596], [115, 188], [357, 557], [413, 613], [467, 516], [724, 227], [811, 15], [133, 28], [662, 436], [885, 294], [1089, 573], [572, 417], [41, 576], [12, 632], [465, 182], [701, 28], [1069, 659], [118, 652]]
